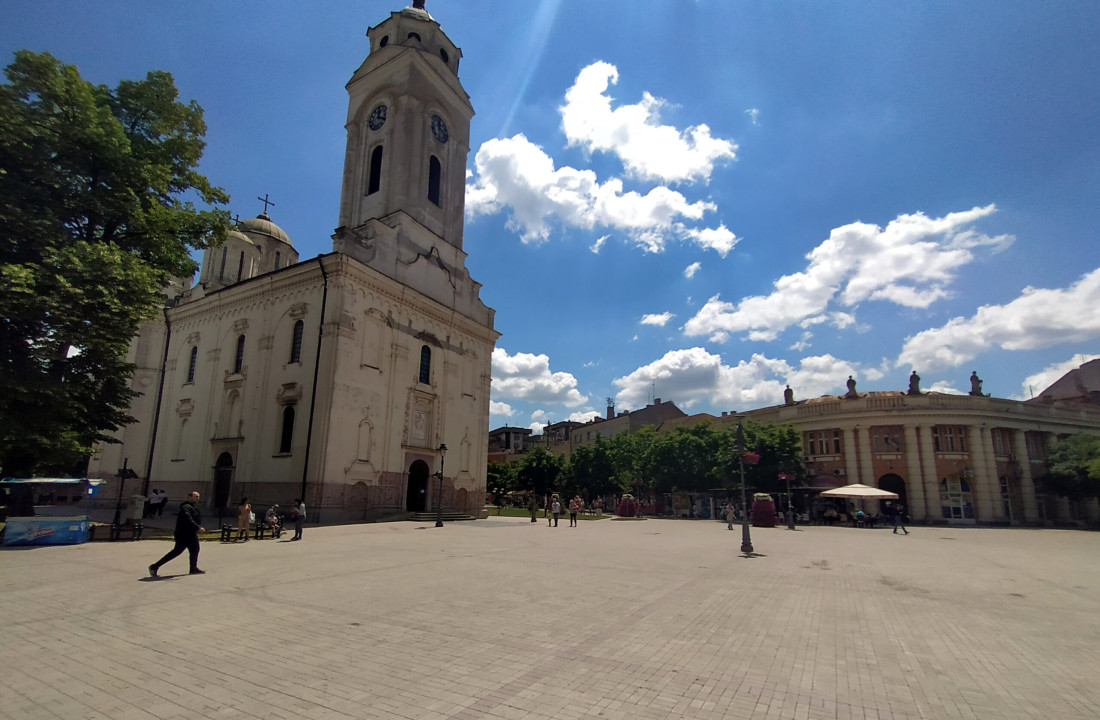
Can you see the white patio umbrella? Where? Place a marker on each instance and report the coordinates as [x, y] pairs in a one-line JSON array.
[[856, 490]]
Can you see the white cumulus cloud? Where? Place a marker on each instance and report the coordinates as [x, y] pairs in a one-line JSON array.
[[911, 262], [525, 376], [499, 408], [693, 376], [690, 270], [1037, 318], [634, 133], [516, 174], [659, 319]]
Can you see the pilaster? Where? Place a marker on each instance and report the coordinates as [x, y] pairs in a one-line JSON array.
[[918, 508], [928, 461], [851, 465], [1027, 482]]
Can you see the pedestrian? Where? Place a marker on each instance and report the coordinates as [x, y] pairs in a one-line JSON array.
[[899, 519], [555, 508], [299, 516], [150, 504], [188, 527], [729, 516], [574, 508], [244, 519], [162, 503], [546, 512]]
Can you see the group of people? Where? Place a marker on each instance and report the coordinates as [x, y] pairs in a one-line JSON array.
[[553, 510], [154, 504], [189, 526]]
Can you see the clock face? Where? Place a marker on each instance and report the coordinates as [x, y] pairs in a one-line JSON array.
[[439, 129], [378, 117]]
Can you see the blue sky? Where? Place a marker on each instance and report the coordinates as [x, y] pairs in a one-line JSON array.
[[700, 201]]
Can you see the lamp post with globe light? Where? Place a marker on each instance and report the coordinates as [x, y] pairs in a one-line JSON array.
[[746, 540], [439, 497]]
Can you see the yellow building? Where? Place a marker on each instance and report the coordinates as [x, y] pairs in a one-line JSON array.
[[956, 459]]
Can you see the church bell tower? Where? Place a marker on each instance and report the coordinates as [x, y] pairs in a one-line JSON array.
[[408, 136]]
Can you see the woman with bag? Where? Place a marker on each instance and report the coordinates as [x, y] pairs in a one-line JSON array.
[[244, 518], [298, 514]]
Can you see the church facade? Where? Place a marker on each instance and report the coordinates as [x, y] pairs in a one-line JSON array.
[[354, 379]]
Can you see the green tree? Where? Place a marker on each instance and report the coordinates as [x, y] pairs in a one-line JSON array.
[[592, 471], [501, 479], [1073, 467], [97, 193], [539, 470], [778, 447]]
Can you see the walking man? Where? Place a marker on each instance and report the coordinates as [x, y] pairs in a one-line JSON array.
[[188, 527], [899, 519]]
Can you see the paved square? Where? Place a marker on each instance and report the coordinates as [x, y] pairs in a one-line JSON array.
[[503, 618]]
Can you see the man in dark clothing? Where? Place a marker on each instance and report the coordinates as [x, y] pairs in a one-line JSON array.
[[188, 527]]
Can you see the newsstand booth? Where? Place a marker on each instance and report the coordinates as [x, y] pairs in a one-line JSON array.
[[46, 511]]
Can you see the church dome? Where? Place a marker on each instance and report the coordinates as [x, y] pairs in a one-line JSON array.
[[262, 225], [238, 235]]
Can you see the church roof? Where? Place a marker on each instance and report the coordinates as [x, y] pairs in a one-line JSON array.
[[262, 225]]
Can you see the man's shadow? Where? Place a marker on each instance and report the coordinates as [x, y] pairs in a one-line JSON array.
[[160, 577]]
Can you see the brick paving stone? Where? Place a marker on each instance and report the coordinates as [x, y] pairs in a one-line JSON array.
[[501, 619]]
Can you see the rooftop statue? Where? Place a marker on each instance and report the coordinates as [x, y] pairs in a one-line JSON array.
[[975, 383], [914, 384], [851, 388]]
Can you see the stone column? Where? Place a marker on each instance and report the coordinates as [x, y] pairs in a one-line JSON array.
[[915, 484], [866, 464], [851, 451], [1027, 483], [931, 475], [985, 475]]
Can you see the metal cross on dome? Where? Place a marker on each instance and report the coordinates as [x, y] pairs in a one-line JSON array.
[[265, 201]]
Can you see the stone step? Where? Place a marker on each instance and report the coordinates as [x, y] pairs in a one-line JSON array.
[[448, 516]]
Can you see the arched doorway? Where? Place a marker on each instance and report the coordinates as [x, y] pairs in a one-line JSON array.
[[223, 480], [893, 483], [416, 497]]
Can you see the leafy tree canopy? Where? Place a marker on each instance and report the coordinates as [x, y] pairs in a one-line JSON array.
[[1073, 467], [687, 459], [97, 211]]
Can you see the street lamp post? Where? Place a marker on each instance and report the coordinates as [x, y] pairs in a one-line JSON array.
[[439, 497], [784, 475], [124, 474], [746, 541]]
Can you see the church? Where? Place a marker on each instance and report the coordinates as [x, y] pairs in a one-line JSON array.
[[357, 380]]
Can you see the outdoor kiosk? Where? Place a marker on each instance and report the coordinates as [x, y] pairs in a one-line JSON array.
[[46, 511]]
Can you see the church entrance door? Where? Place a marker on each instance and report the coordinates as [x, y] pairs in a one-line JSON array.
[[223, 479], [416, 497]]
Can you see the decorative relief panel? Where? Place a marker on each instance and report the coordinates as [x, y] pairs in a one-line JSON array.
[[185, 407]]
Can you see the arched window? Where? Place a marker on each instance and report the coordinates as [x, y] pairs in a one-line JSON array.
[[435, 172], [238, 361], [296, 342], [221, 272], [425, 364], [240, 267], [374, 183], [277, 257], [192, 363], [288, 429]]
